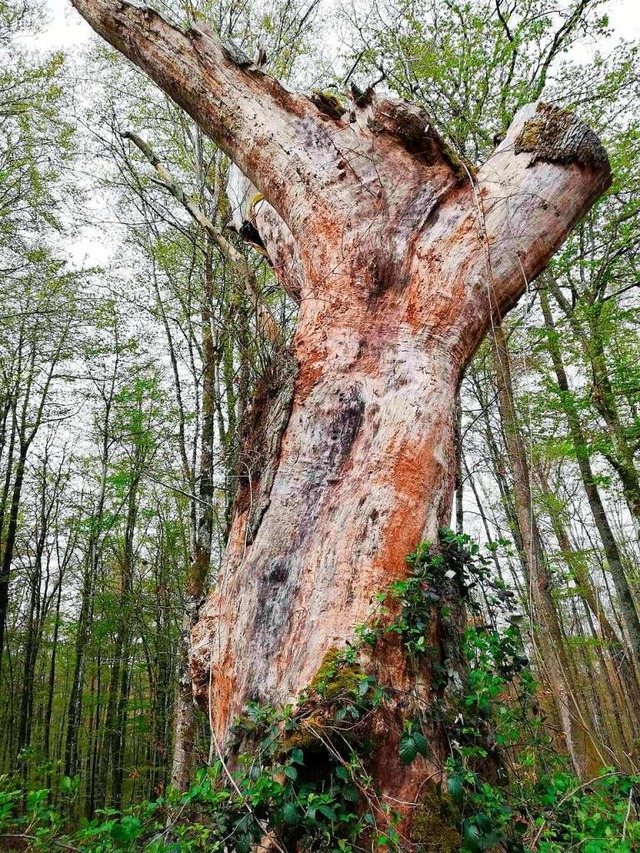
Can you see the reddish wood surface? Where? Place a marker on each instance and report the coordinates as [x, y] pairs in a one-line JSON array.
[[404, 259]]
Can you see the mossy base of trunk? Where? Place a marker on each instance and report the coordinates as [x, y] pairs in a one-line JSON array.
[[391, 746], [433, 823]]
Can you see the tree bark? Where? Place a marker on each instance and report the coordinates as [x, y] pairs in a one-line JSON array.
[[581, 450], [405, 258], [552, 658]]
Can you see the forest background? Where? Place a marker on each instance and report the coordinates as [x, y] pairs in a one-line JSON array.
[[134, 326]]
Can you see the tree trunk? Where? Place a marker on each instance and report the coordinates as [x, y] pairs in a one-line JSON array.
[[83, 631], [581, 450], [621, 454], [552, 658], [404, 259], [46, 749], [201, 561], [10, 541]]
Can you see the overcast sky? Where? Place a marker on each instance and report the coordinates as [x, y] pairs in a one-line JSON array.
[[68, 29]]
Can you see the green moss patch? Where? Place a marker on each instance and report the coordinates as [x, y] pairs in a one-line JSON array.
[[434, 822], [555, 135]]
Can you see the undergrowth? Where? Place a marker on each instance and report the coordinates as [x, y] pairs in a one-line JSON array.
[[302, 777]]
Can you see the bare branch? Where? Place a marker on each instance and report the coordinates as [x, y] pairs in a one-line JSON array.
[[235, 259], [258, 123]]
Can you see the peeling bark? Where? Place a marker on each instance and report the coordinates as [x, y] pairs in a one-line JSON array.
[[261, 437], [405, 259]]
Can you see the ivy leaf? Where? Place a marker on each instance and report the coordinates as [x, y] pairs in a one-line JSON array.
[[290, 814], [290, 772], [297, 756], [454, 787], [351, 794], [421, 743], [408, 749], [363, 687], [327, 811]]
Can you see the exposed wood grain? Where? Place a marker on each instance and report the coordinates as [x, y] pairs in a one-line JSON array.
[[403, 259]]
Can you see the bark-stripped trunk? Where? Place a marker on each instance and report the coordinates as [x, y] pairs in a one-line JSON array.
[[402, 259]]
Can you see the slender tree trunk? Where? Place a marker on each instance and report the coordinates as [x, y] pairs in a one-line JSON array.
[[552, 658], [621, 455], [459, 510], [10, 541], [51, 682], [119, 743], [29, 663], [581, 450], [201, 562], [74, 712], [499, 468], [588, 592], [83, 632], [96, 794], [164, 685], [469, 478], [116, 719], [34, 621], [6, 488]]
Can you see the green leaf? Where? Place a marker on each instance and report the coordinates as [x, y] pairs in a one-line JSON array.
[[290, 814], [455, 788], [297, 756], [351, 794], [408, 749], [290, 772], [421, 743], [65, 783], [127, 830], [327, 811], [471, 837]]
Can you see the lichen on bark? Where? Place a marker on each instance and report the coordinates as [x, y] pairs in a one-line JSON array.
[[556, 135]]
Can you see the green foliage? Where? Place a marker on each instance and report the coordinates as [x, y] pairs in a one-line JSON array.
[[473, 64], [302, 771]]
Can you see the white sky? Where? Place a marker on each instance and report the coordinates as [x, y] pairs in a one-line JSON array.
[[624, 16], [68, 29]]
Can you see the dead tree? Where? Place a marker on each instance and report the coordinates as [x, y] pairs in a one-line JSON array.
[[402, 257]]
